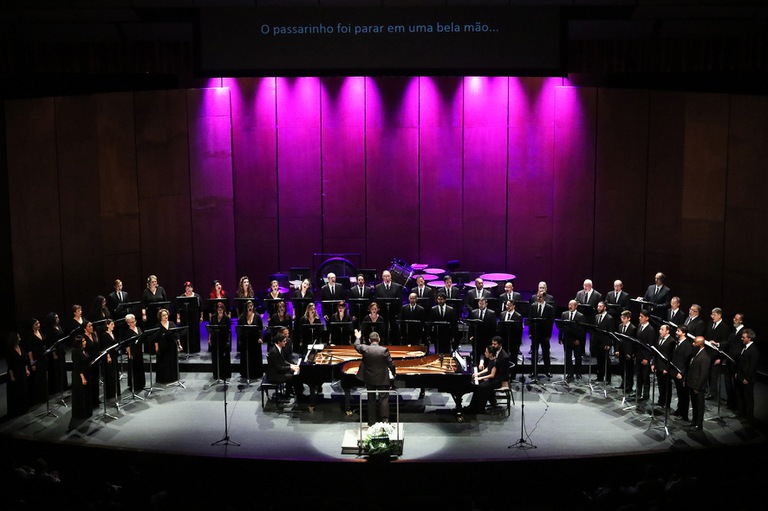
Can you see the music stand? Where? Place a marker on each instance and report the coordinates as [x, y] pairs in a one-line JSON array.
[[311, 329], [271, 304], [473, 324], [390, 306], [664, 428], [149, 390], [640, 346], [179, 382], [338, 328], [535, 324], [125, 306], [566, 325], [47, 352], [436, 332], [219, 330], [185, 302], [425, 301], [359, 307], [240, 303], [415, 323], [718, 418], [245, 332], [153, 308], [99, 357], [300, 305], [225, 440], [593, 330], [135, 341]]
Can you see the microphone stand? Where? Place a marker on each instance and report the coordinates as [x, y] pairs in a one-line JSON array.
[[536, 323], [218, 331], [523, 442], [245, 332], [103, 355], [225, 440], [718, 418]]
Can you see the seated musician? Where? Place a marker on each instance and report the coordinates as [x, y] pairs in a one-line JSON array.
[[487, 381], [281, 371], [412, 318]]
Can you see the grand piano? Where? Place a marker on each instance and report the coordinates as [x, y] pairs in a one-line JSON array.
[[442, 372], [325, 364]]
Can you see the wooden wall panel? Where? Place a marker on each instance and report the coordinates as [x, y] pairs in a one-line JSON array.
[[392, 170], [663, 250], [704, 182], [78, 148], [298, 157], [34, 206], [162, 162], [574, 190], [440, 171], [745, 276], [343, 164], [485, 173], [211, 188], [254, 156], [621, 166], [119, 199], [530, 181]]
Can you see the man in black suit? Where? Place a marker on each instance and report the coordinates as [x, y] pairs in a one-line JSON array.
[[624, 352], [389, 295], [602, 343], [589, 297], [376, 370], [511, 330], [746, 375], [647, 337], [483, 327], [450, 291], [717, 334], [279, 370], [618, 298], [665, 345], [477, 292], [675, 314], [696, 380], [572, 336], [547, 297], [412, 317], [695, 324], [733, 348], [541, 319], [658, 294], [331, 294], [509, 294], [681, 356], [360, 296], [424, 293], [444, 321], [115, 298]]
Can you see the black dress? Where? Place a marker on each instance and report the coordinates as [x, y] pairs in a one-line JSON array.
[[166, 367], [81, 394], [189, 314], [18, 389], [93, 348], [57, 363], [137, 378], [38, 385], [341, 329], [275, 323], [220, 342], [300, 302], [151, 303], [369, 325], [109, 365], [251, 359]]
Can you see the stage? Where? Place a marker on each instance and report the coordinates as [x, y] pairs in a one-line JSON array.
[[552, 427]]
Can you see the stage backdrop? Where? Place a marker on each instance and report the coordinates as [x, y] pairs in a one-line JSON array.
[[253, 176]]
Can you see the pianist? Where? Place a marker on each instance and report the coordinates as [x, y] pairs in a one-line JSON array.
[[375, 371], [280, 370]]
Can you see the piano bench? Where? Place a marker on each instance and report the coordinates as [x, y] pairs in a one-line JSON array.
[[265, 387], [504, 396]]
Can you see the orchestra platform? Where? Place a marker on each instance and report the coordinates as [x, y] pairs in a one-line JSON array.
[[180, 436]]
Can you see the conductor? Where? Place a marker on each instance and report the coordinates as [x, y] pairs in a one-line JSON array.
[[375, 371]]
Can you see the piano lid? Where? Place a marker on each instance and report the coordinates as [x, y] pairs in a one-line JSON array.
[[345, 353]]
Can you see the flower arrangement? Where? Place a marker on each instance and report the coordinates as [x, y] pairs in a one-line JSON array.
[[377, 442]]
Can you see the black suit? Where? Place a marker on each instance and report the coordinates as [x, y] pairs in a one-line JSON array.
[[358, 301], [660, 298], [504, 298], [279, 370], [643, 355], [113, 302], [452, 293], [681, 356], [677, 317], [619, 300], [424, 294], [473, 295], [483, 331], [601, 345], [511, 333], [746, 375], [335, 293], [443, 335], [696, 380], [395, 294], [625, 352], [592, 301], [666, 347], [718, 334], [572, 337], [374, 371], [540, 329], [412, 333], [696, 326]]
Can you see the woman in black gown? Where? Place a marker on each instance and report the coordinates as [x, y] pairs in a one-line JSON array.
[[74, 324], [81, 382], [310, 328], [18, 377], [167, 347], [189, 313], [57, 363], [341, 325], [93, 347], [99, 310], [110, 362], [373, 322], [38, 363], [137, 379], [301, 297], [152, 299], [278, 320], [220, 343], [249, 339]]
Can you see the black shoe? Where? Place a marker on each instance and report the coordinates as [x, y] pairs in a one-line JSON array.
[[694, 429], [549, 375]]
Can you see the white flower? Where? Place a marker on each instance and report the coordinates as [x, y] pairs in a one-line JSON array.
[[380, 429]]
